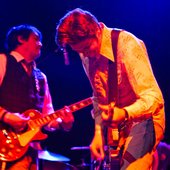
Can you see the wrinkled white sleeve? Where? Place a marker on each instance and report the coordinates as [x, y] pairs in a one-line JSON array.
[[48, 106], [135, 58]]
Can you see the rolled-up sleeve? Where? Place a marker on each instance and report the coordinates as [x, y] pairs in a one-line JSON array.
[[48, 106]]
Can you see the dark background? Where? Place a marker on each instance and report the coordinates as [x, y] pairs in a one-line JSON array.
[[149, 20]]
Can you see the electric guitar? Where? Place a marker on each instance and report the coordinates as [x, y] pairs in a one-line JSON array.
[[13, 145], [113, 152]]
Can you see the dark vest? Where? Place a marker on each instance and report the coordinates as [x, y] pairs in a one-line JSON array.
[[20, 92]]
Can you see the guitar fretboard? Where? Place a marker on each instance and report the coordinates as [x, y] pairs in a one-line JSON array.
[[74, 107]]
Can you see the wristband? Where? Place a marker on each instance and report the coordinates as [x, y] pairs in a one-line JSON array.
[[3, 115]]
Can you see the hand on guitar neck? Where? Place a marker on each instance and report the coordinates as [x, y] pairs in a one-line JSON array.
[[65, 121], [19, 122]]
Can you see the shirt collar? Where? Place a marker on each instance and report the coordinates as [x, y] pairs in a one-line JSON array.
[[106, 43], [17, 56]]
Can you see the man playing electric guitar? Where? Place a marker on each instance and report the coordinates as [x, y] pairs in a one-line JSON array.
[[24, 87], [138, 97]]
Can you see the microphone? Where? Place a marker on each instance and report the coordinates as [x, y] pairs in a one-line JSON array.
[[65, 53]]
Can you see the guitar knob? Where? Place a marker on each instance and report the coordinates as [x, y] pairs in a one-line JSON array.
[[3, 150], [18, 150], [11, 146], [10, 154]]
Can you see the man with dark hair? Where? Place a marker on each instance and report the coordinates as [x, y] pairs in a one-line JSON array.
[[128, 104], [24, 87]]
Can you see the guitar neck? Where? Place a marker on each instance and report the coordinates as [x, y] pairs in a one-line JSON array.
[[74, 107], [13, 145]]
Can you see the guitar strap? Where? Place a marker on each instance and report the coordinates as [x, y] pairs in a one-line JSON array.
[[113, 85], [111, 135]]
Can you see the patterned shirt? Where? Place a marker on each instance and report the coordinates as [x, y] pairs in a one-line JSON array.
[[134, 74]]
